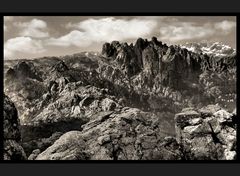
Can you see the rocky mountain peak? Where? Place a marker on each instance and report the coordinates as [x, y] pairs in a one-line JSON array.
[[23, 69], [60, 67], [134, 57]]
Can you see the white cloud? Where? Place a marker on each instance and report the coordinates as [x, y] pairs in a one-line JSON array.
[[35, 28], [225, 26], [22, 45], [187, 30], [103, 30], [75, 38]]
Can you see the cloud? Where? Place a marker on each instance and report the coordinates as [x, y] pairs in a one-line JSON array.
[[75, 38], [24, 45], [185, 31], [225, 26], [189, 30], [35, 28], [102, 30]]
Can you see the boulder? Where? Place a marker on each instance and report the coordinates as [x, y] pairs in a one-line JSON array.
[[129, 135], [67, 147], [206, 134], [60, 67], [108, 104], [34, 154]]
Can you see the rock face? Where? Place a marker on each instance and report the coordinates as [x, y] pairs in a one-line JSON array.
[[128, 135], [107, 49], [156, 54], [12, 136], [153, 58], [207, 134], [60, 67], [150, 61]]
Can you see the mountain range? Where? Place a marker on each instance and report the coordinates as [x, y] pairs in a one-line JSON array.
[[141, 101]]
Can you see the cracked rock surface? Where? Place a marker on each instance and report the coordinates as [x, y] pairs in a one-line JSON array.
[[128, 135], [207, 134]]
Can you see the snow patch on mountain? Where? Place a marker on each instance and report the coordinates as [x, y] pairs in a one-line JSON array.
[[217, 49]]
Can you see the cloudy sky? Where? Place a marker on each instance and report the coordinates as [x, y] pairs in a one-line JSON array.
[[37, 36]]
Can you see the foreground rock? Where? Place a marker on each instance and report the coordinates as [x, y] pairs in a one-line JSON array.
[[128, 135], [12, 149], [207, 134]]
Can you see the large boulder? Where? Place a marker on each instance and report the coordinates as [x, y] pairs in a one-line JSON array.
[[128, 135], [67, 147], [206, 134]]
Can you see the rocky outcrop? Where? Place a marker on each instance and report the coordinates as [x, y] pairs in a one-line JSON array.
[[108, 50], [23, 70], [129, 57], [64, 111], [153, 56], [60, 67], [207, 134], [11, 74], [150, 61], [171, 72], [128, 135], [12, 137]]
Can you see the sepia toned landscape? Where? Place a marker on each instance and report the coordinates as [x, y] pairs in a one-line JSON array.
[[120, 88]]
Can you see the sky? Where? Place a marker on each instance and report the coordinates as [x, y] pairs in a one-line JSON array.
[[38, 36]]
